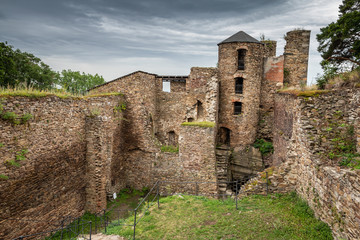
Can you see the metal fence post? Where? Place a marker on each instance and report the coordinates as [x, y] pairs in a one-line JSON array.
[[134, 222], [158, 194], [236, 195], [90, 230], [62, 227], [196, 189], [105, 220]]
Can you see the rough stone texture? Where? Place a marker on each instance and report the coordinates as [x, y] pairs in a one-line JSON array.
[[242, 127], [296, 57], [302, 144], [272, 81], [197, 154], [51, 182], [269, 48]]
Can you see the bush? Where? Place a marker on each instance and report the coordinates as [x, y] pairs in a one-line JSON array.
[[264, 146]]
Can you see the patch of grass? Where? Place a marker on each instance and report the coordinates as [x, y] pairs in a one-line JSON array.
[[2, 145], [35, 93], [258, 217], [4, 177], [103, 94], [199, 124], [170, 148], [305, 93]]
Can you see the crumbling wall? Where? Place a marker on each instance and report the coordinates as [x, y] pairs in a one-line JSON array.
[[296, 55], [50, 149], [309, 132], [272, 81]]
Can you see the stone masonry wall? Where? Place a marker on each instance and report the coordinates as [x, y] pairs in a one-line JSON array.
[[51, 182], [311, 129], [243, 127], [296, 54], [272, 81]]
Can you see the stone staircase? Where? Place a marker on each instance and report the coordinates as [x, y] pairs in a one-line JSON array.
[[223, 154]]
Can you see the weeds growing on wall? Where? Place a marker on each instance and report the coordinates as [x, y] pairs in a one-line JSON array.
[[339, 139], [264, 146], [170, 148], [199, 124], [4, 177]]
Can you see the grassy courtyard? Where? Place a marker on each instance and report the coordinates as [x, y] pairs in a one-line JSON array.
[[258, 217]]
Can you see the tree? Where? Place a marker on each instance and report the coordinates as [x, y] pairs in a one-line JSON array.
[[340, 40], [22, 68], [76, 82]]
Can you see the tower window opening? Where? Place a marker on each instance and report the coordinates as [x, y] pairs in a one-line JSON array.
[[241, 59], [239, 84], [237, 108]]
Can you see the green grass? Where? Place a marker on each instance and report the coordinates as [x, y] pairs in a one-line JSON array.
[[170, 148], [4, 177], [36, 93], [258, 217], [199, 124]]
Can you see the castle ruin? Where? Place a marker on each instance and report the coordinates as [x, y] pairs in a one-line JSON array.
[[81, 151]]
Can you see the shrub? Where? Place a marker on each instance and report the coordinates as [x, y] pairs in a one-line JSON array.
[[264, 146]]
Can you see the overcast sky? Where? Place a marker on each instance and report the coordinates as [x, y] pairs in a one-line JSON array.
[[166, 37]]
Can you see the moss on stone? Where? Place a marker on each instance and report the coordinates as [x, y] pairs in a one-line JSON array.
[[199, 124], [35, 93]]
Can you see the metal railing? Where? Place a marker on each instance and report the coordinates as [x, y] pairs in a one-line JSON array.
[[72, 228]]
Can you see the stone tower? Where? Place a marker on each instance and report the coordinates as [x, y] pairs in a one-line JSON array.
[[296, 56], [240, 63]]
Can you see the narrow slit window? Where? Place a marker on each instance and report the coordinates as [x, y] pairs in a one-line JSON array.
[[241, 59], [239, 85], [237, 108]]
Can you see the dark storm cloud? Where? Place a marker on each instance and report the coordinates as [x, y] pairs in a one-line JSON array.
[[114, 37]]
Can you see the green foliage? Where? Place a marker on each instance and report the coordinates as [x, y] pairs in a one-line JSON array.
[[199, 124], [339, 42], [26, 117], [20, 155], [78, 83], [170, 148], [22, 68], [119, 108], [11, 117], [4, 177], [12, 162], [2, 145], [329, 73], [264, 146], [258, 217]]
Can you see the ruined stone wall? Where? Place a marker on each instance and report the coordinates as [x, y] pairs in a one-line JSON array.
[[176, 87], [269, 48], [272, 81], [197, 156], [243, 127], [202, 94], [138, 143], [51, 181], [296, 54], [309, 130], [172, 111]]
